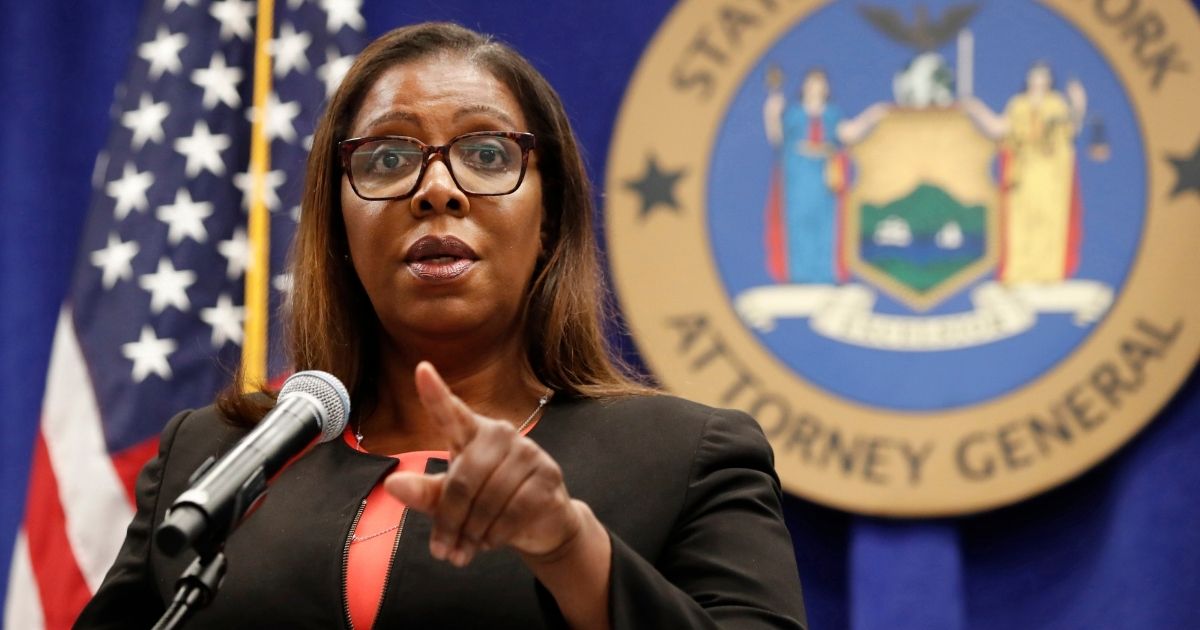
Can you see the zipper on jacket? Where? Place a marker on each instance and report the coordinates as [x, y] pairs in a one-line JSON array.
[[387, 577], [346, 563]]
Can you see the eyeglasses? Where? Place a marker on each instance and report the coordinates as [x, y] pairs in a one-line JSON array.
[[484, 163]]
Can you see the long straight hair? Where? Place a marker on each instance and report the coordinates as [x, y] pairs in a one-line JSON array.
[[330, 323]]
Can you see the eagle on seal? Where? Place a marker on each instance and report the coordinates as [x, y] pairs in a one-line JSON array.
[[923, 34], [927, 80]]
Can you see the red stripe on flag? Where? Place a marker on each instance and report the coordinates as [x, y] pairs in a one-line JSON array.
[[60, 583], [278, 380], [129, 462]]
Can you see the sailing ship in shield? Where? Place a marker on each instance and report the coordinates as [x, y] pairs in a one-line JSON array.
[[917, 199]]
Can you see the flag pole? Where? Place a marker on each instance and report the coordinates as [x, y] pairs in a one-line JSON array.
[[254, 348]]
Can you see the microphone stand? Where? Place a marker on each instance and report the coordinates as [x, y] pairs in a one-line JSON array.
[[195, 588], [222, 492]]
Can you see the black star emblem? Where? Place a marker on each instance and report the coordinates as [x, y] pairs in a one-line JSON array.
[[656, 187], [1187, 173]]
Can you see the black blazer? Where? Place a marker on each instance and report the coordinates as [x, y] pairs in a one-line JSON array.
[[688, 494]]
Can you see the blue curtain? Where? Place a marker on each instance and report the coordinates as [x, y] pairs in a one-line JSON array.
[[57, 73], [1116, 548]]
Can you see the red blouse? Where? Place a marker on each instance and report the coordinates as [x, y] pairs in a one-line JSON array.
[[375, 537]]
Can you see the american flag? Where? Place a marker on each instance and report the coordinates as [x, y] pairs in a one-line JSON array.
[[153, 322]]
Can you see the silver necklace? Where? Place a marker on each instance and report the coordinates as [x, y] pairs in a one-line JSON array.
[[358, 437], [357, 539], [542, 402]]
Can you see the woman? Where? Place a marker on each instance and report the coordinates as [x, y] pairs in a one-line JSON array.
[[804, 212], [447, 223], [1042, 208]]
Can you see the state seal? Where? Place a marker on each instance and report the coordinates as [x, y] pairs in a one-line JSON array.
[[944, 252]]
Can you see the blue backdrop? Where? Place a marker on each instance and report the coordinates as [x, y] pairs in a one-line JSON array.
[[1117, 548]]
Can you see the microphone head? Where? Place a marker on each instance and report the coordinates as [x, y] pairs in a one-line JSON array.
[[329, 391]]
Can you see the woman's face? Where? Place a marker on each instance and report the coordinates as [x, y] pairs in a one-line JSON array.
[[1039, 80], [442, 263], [815, 87]]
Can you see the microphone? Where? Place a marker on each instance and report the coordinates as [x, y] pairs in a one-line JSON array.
[[311, 404]]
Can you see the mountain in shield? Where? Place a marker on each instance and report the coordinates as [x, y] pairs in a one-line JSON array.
[[922, 221], [923, 238]]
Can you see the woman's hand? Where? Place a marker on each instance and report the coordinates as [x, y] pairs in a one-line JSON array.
[[501, 488]]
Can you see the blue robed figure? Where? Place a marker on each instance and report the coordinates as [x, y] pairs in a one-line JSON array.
[[803, 223], [810, 204]]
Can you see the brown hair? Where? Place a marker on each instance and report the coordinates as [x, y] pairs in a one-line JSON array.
[[330, 322]]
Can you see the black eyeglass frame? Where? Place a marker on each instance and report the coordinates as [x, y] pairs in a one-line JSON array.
[[347, 147]]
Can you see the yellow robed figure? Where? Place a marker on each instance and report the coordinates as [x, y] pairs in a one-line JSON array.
[[1041, 206]]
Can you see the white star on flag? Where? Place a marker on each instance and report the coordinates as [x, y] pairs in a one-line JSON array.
[[283, 283], [130, 191], [236, 251], [163, 52], [234, 16], [290, 50], [168, 286], [185, 218], [157, 288], [115, 260], [226, 321], [171, 5], [271, 182], [146, 121], [279, 118], [343, 13], [203, 150], [149, 355], [219, 82], [334, 69]]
